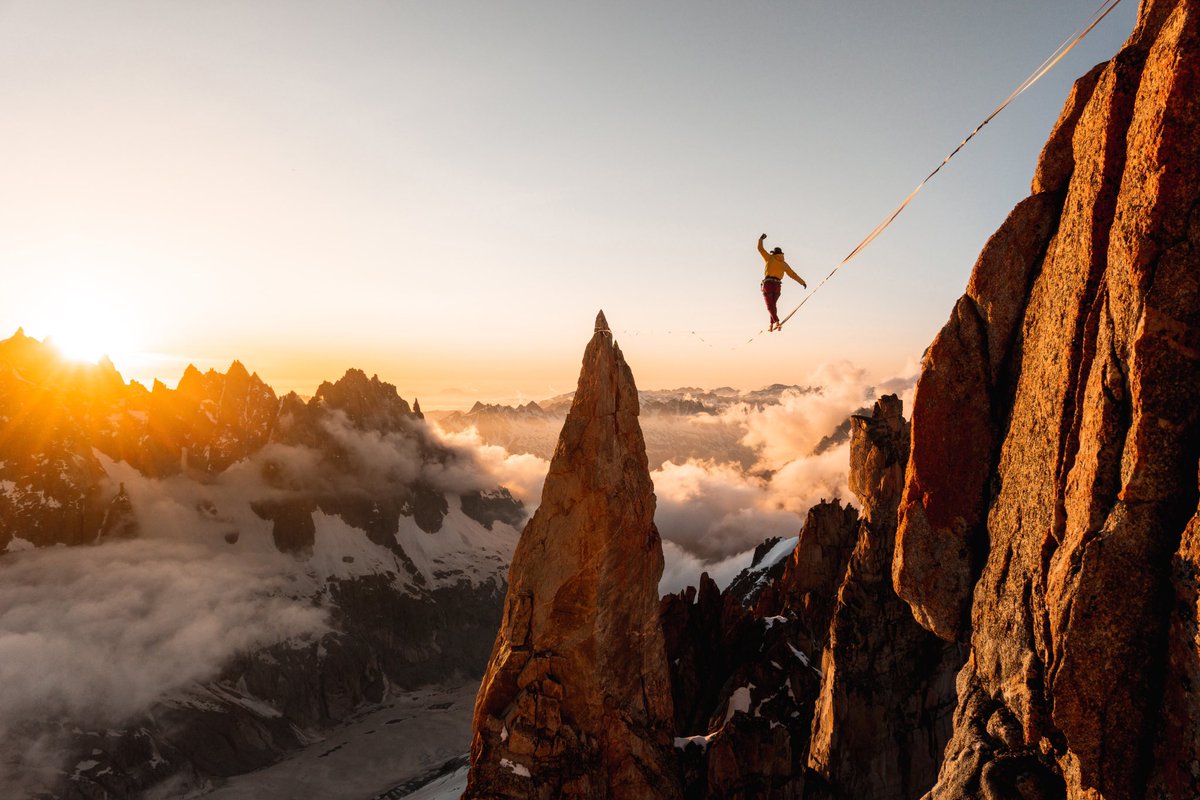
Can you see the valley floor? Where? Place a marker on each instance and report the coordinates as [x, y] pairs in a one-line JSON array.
[[394, 750]]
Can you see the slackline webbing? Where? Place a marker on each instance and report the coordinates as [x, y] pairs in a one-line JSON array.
[[1098, 15]]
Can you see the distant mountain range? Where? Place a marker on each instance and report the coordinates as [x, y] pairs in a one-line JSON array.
[[398, 540], [679, 424]]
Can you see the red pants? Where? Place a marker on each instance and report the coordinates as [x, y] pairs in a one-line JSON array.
[[771, 290]]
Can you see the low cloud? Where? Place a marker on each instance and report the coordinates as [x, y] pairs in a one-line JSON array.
[[96, 635], [522, 474], [791, 430], [713, 512], [100, 633], [368, 461], [682, 569]]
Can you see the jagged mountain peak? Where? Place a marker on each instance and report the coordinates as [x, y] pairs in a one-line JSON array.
[[580, 638], [237, 370]]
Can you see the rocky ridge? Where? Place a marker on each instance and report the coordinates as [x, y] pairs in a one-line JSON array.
[[409, 567], [887, 689], [824, 686]]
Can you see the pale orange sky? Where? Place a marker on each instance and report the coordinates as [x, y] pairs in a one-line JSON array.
[[445, 193]]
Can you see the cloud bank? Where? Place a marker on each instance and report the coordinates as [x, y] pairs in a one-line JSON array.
[[96, 635], [100, 633], [93, 636], [712, 512]]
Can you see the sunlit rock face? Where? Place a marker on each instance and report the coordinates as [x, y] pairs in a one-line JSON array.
[[49, 477], [807, 588], [576, 700], [1048, 516]]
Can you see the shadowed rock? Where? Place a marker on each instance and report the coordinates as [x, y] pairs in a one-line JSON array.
[[887, 687]]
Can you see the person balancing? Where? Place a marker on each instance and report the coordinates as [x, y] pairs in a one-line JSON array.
[[772, 282]]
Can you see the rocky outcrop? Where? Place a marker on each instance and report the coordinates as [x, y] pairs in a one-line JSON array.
[[744, 688], [576, 699], [767, 563], [1055, 448], [708, 635], [51, 488], [754, 715], [808, 587], [756, 738], [887, 687], [224, 417], [369, 403]]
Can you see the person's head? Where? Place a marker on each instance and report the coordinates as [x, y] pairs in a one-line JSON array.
[[778, 251]]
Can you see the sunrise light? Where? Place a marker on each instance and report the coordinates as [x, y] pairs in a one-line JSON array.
[[88, 324]]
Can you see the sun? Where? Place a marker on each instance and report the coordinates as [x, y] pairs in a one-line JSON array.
[[84, 327]]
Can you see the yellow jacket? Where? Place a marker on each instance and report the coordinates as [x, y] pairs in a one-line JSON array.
[[776, 267]]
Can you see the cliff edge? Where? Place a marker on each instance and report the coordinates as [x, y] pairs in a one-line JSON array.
[[1049, 513]]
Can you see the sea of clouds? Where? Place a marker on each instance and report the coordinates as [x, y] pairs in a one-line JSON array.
[[93, 636], [712, 512]]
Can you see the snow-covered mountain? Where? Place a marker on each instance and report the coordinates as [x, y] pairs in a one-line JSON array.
[[199, 580]]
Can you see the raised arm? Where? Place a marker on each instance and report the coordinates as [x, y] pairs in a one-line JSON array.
[[762, 250]]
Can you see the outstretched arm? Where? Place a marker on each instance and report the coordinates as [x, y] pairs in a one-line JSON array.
[[795, 277], [762, 250]]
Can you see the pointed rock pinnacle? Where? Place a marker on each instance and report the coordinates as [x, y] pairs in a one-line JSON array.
[[576, 701]]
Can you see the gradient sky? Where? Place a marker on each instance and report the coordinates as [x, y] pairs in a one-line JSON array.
[[445, 192]]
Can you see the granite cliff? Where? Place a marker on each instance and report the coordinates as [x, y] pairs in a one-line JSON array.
[[1048, 518], [1026, 552]]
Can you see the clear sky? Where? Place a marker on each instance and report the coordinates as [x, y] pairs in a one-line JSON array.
[[445, 192]]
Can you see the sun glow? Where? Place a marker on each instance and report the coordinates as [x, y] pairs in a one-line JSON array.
[[87, 326]]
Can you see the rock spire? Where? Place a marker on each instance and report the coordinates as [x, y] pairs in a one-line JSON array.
[[887, 694], [576, 700]]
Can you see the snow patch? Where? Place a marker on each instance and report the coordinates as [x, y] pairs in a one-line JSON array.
[[782, 549], [702, 741], [17, 545], [738, 701], [448, 787], [335, 541], [803, 659], [515, 768], [461, 549]]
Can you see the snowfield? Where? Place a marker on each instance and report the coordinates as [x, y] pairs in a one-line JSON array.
[[408, 737]]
